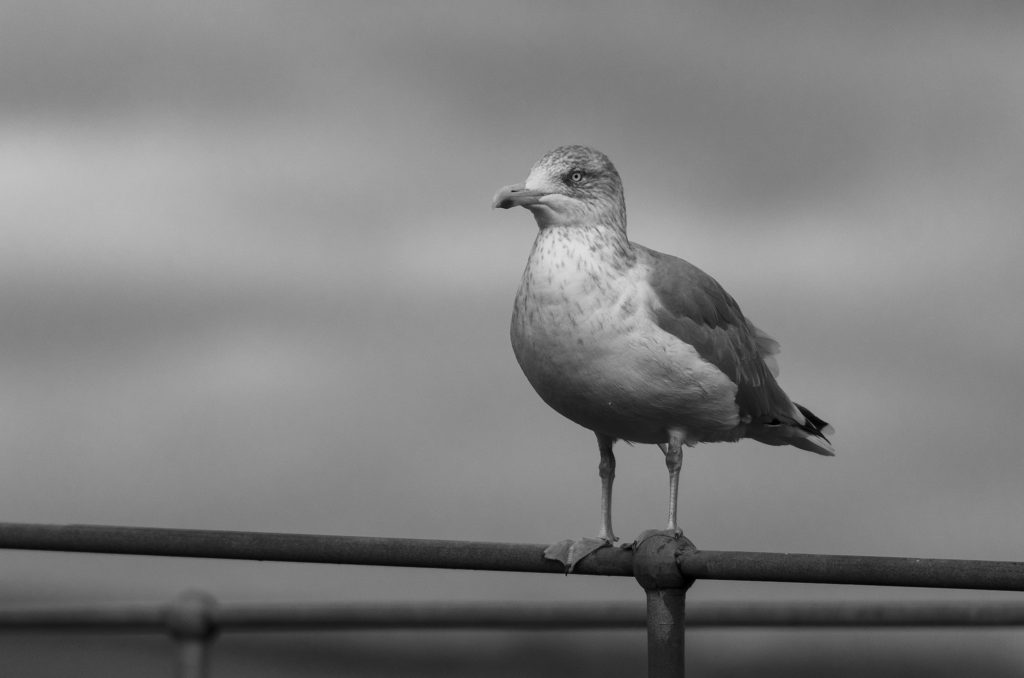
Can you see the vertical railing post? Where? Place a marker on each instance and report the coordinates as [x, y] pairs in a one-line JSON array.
[[190, 623], [655, 569]]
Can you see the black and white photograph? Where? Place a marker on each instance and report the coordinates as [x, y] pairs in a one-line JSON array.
[[517, 338]]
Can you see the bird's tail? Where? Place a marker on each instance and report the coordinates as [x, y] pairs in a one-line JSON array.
[[807, 435]]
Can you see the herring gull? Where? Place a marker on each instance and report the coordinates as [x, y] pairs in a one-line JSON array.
[[634, 344]]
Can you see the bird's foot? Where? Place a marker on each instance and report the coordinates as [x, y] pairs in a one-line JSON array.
[[673, 533], [570, 551]]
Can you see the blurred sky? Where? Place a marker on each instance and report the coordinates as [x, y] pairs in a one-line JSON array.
[[249, 277]]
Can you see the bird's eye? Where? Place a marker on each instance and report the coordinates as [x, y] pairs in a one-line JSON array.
[[576, 177]]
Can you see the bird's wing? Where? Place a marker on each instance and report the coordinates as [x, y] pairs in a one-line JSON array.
[[693, 307]]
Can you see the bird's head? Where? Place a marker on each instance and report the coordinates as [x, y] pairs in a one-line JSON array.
[[571, 185]]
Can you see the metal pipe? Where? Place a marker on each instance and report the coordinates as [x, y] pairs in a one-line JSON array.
[[855, 614], [305, 548], [193, 658], [508, 615], [190, 622], [655, 569], [337, 616], [666, 638], [862, 570], [237, 617], [101, 617], [732, 565]]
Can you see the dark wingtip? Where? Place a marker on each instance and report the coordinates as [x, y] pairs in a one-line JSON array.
[[819, 428], [815, 424]]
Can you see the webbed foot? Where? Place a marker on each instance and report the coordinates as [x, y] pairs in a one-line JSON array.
[[571, 551]]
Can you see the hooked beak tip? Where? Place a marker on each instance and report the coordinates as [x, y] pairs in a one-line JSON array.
[[515, 195]]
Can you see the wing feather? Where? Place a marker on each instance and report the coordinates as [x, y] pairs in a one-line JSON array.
[[693, 307]]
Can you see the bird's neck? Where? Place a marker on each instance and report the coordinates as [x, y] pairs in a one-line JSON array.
[[582, 249]]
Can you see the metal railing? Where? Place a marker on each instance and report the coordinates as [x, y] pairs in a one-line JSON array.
[[664, 566]]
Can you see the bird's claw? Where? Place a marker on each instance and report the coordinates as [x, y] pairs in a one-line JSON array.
[[673, 534], [571, 551]]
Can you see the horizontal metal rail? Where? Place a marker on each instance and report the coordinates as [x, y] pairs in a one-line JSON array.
[[863, 570], [148, 618], [854, 614], [508, 557], [303, 548], [663, 564]]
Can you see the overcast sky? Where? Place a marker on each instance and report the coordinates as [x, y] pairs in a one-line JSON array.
[[250, 279]]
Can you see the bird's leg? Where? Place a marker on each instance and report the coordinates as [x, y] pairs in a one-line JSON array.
[[673, 460], [606, 469], [571, 551]]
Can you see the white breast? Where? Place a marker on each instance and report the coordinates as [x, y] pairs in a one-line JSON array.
[[584, 336]]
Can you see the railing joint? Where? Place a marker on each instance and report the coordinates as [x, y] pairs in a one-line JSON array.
[[190, 621], [656, 570]]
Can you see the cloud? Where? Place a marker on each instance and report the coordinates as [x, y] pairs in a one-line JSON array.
[[251, 279]]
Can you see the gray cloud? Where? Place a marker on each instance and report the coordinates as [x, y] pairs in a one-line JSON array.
[[250, 280]]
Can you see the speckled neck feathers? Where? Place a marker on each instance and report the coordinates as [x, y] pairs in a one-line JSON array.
[[570, 264]]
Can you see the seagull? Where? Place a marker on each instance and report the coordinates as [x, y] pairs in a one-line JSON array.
[[634, 344]]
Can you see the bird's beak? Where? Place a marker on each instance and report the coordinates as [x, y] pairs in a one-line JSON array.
[[516, 195]]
